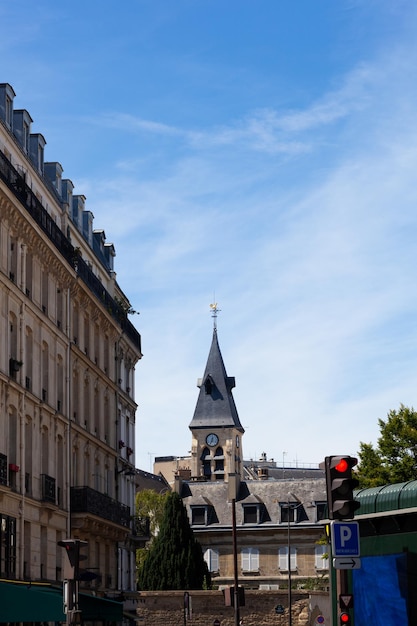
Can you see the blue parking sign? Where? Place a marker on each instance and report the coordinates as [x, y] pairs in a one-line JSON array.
[[345, 539]]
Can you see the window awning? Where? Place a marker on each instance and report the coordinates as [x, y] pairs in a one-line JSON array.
[[38, 602], [25, 602]]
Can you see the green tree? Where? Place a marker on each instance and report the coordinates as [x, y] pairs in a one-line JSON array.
[[174, 559], [150, 504], [149, 511], [394, 459]]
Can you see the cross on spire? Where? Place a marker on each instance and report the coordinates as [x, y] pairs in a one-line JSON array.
[[214, 310]]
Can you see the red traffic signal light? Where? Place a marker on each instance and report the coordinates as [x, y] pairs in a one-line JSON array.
[[340, 484], [72, 566], [345, 618]]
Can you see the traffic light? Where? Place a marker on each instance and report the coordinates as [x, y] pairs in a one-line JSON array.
[[340, 484], [345, 619], [72, 565]]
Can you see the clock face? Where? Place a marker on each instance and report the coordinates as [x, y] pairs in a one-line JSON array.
[[212, 439]]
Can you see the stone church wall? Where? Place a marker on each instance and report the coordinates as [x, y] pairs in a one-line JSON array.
[[167, 608]]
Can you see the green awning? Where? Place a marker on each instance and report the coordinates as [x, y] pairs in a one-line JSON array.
[[95, 609], [26, 602]]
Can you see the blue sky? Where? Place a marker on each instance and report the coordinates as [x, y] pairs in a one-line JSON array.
[[257, 154]]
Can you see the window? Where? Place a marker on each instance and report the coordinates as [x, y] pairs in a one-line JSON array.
[[199, 515], [203, 515], [321, 510], [211, 557], [292, 512], [219, 461], [250, 514], [206, 459], [250, 560], [287, 512], [283, 559], [321, 562], [8, 546], [8, 111], [256, 513]]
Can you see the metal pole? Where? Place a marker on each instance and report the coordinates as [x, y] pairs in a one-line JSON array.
[[236, 580], [289, 566]]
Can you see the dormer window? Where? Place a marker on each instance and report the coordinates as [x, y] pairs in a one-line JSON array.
[[203, 515], [254, 513], [199, 515], [9, 108], [208, 385], [292, 512], [321, 511]]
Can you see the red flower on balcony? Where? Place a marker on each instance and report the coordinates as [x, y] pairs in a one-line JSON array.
[[121, 444]]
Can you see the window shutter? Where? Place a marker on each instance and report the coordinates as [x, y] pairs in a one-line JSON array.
[[245, 555], [211, 557], [283, 559], [321, 563]]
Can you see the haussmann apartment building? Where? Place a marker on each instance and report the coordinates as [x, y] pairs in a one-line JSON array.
[[68, 353]]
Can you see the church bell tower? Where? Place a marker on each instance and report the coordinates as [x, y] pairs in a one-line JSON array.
[[216, 448]]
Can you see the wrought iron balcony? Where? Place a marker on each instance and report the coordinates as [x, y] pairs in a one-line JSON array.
[[48, 488], [3, 469], [141, 527], [88, 500]]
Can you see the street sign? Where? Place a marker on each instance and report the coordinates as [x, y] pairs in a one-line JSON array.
[[346, 601], [345, 539], [347, 562]]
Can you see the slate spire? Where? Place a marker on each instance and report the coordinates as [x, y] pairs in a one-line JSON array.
[[215, 406]]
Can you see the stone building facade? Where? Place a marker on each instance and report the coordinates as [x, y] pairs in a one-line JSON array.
[[67, 361]]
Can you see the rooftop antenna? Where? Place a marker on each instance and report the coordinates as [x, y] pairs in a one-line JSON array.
[[214, 310]]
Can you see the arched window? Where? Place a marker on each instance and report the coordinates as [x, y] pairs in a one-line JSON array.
[[219, 461], [206, 460]]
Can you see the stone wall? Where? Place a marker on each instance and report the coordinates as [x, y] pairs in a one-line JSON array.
[[167, 608]]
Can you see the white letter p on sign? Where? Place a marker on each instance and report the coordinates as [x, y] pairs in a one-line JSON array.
[[345, 535]]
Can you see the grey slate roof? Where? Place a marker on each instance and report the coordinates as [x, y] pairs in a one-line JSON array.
[[270, 493], [215, 405]]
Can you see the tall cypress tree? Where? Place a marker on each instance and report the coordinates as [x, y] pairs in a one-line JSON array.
[[175, 559]]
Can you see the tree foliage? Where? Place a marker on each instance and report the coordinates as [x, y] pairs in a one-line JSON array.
[[394, 459], [149, 510], [174, 559], [150, 504]]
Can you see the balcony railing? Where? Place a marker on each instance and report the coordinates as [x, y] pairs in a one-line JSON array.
[[87, 500], [17, 184], [141, 527], [48, 488], [3, 469]]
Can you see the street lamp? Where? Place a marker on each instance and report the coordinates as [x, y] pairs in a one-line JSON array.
[[291, 507]]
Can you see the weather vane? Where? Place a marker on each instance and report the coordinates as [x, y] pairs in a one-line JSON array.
[[214, 310]]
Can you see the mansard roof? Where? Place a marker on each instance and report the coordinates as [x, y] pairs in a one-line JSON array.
[[215, 406], [272, 494]]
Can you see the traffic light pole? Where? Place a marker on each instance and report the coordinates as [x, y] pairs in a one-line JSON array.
[[71, 608], [341, 505], [71, 578]]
